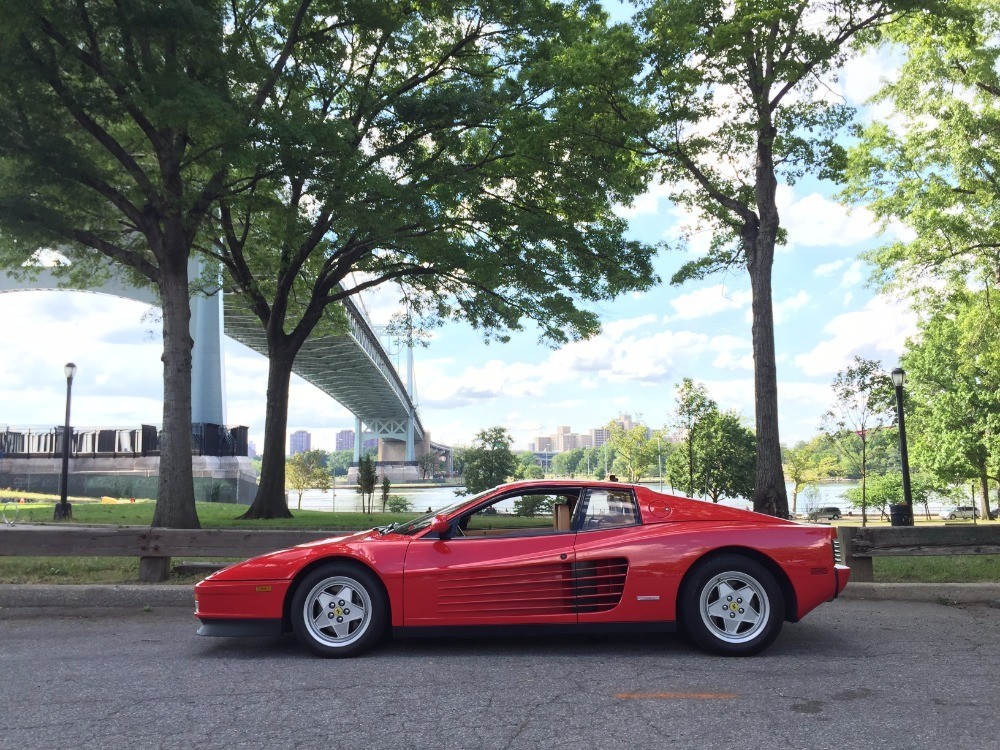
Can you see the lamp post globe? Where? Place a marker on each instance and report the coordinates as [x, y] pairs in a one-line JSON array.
[[63, 509]]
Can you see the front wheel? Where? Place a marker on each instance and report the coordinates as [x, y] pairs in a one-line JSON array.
[[339, 610], [731, 605]]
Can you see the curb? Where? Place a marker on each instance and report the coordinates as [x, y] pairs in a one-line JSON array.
[[85, 596], [26, 596], [965, 593]]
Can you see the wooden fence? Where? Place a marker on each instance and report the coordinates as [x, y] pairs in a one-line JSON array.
[[861, 545], [153, 546]]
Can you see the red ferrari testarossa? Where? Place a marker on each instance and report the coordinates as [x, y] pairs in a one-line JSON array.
[[539, 557]]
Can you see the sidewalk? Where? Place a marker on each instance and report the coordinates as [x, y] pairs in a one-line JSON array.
[[158, 595]]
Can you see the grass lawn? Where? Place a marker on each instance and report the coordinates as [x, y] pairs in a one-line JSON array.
[[938, 569]]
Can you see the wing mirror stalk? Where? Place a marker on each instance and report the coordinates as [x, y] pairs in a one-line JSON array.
[[442, 527]]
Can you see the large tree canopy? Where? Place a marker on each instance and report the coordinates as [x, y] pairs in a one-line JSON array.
[[953, 379], [932, 162], [117, 123], [316, 148], [443, 147], [732, 102]]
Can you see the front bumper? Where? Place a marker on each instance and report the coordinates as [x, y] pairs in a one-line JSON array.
[[222, 605]]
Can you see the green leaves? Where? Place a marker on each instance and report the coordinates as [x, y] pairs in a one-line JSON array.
[[489, 461], [933, 165], [952, 378]]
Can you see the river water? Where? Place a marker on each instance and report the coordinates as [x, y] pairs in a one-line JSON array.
[[345, 498]]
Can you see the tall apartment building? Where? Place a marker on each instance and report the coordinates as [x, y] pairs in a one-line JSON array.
[[564, 439], [300, 441], [599, 436], [345, 440]]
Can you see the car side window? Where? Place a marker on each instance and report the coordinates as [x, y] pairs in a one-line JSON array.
[[607, 509], [525, 514]]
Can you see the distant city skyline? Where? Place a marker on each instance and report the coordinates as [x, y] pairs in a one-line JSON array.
[[299, 441]]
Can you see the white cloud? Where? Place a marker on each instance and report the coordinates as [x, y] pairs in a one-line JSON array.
[[815, 221], [688, 227], [790, 305], [826, 269], [853, 275], [647, 203], [733, 353], [878, 331], [863, 75], [617, 355], [709, 301]]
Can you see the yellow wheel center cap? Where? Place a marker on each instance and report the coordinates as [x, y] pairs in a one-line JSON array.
[[733, 606], [338, 611]]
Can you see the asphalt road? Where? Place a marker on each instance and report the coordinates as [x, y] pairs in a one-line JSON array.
[[852, 675]]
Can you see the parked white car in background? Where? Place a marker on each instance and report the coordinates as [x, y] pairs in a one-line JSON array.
[[962, 511]]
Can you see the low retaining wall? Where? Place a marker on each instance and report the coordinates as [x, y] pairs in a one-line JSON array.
[[217, 479]]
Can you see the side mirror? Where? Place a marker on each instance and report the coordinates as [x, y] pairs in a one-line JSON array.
[[440, 526]]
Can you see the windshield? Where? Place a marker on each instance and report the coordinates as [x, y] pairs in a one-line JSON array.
[[422, 522]]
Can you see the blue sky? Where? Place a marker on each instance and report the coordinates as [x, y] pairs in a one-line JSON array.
[[825, 314]]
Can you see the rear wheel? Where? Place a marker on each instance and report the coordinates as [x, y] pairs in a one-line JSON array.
[[339, 610], [731, 605]]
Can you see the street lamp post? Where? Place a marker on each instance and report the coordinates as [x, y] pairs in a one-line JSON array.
[[898, 377], [63, 509]]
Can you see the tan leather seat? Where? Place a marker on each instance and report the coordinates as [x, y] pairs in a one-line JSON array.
[[560, 515]]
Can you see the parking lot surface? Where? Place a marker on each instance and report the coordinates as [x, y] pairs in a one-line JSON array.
[[853, 674]]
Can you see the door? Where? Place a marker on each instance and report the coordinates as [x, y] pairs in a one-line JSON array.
[[499, 568]]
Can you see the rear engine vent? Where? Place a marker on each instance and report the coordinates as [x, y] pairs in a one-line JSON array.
[[598, 584]]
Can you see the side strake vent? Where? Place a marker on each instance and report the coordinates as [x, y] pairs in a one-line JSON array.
[[518, 591], [599, 584], [547, 589]]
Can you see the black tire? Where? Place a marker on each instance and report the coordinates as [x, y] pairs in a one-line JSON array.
[[753, 603], [952, 517], [835, 517], [355, 605]]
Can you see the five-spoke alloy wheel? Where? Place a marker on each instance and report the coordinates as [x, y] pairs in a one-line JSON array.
[[339, 609], [732, 605]]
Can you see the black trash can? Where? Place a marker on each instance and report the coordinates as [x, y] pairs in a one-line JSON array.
[[900, 515]]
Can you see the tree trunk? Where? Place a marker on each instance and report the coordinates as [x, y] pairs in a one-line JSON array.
[[175, 506], [769, 494], [984, 492], [864, 478], [691, 460], [270, 501]]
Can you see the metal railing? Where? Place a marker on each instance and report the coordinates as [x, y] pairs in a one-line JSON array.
[[94, 442]]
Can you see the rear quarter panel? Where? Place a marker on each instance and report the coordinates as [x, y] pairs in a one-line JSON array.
[[661, 554]]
